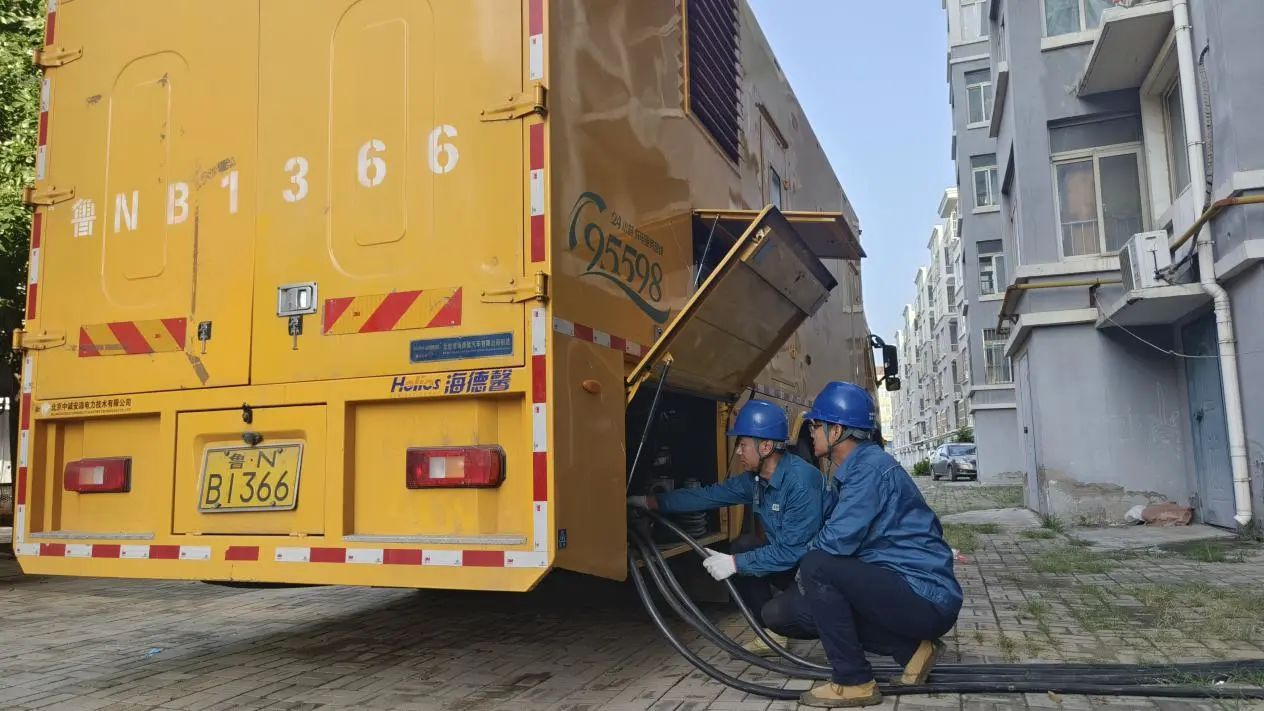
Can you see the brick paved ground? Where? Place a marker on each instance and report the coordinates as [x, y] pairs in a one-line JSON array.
[[582, 644]]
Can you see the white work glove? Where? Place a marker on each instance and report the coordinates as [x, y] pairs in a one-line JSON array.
[[638, 502], [720, 565]]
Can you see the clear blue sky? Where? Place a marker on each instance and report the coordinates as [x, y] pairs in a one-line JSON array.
[[871, 78]]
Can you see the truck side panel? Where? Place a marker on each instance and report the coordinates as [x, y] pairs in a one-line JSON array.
[[630, 164]]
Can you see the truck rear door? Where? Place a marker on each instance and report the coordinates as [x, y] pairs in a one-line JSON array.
[[386, 206], [768, 284], [152, 123]]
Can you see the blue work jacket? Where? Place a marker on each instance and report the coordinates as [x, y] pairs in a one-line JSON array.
[[881, 518], [791, 505]]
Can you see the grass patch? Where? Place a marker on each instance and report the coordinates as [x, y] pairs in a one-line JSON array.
[[945, 500], [1209, 551], [1052, 523], [1009, 497], [1035, 609], [1096, 610], [965, 536], [1240, 678], [1205, 611], [1171, 613], [1069, 559], [1008, 647], [1040, 534]]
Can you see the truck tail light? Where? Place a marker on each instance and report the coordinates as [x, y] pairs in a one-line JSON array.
[[99, 476], [456, 467]]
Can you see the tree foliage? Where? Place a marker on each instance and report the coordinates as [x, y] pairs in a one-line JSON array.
[[21, 31]]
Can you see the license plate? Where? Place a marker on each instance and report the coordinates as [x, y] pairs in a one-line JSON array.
[[236, 479]]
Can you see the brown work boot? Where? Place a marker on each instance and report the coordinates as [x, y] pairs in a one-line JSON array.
[[918, 668], [837, 696], [757, 645]]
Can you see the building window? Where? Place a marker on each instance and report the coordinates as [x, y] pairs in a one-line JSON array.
[[1177, 149], [1097, 175], [973, 20], [714, 64], [1002, 48], [1099, 202], [1063, 17], [994, 360], [983, 170], [774, 188], [992, 277], [979, 96], [952, 338]]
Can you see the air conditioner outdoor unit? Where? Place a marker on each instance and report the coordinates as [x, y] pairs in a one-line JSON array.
[[1142, 257]]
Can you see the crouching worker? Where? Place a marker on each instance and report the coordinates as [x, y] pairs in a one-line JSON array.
[[789, 496], [879, 575]]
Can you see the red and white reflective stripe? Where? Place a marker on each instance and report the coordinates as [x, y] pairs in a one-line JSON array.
[[41, 150], [539, 430], [536, 140], [113, 550], [24, 443], [412, 556], [535, 40], [50, 29], [33, 272], [601, 338], [535, 132], [360, 556], [541, 534]]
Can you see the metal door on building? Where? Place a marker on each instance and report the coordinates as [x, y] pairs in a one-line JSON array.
[[1207, 423], [1027, 421]]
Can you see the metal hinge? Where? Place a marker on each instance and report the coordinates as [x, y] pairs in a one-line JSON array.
[[45, 195], [532, 101], [23, 341], [47, 57], [521, 290]]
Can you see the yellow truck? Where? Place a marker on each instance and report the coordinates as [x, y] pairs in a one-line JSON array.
[[380, 292]]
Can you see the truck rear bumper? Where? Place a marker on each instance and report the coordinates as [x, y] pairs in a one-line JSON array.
[[285, 562], [355, 521]]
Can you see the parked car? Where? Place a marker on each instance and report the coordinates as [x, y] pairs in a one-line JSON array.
[[953, 461]]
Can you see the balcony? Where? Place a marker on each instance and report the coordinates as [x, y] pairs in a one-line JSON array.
[[1153, 306], [1126, 46]]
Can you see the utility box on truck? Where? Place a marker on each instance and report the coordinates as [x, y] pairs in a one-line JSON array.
[[373, 292]]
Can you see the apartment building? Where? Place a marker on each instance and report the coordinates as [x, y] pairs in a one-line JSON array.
[[1113, 151], [930, 408]]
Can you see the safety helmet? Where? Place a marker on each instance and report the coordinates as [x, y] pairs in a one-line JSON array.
[[845, 404], [761, 420]]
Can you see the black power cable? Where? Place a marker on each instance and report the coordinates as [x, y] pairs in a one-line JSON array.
[[1095, 679], [1123, 674], [669, 587], [686, 610]]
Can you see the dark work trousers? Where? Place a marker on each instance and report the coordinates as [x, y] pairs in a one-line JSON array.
[[757, 591], [856, 607]]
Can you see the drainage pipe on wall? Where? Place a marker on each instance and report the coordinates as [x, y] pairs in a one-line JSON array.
[[1207, 266]]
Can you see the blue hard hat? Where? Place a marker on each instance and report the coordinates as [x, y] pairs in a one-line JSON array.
[[761, 420], [845, 404]]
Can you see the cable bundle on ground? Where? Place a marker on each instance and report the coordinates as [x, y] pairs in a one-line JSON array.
[[1164, 680]]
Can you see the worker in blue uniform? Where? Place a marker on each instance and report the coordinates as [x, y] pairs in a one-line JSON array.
[[879, 575], [789, 496]]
